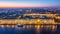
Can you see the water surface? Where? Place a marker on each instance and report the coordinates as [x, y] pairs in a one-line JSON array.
[[29, 29]]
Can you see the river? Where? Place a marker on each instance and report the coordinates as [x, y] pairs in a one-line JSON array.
[[30, 29]]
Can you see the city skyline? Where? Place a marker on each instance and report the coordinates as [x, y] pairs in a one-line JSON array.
[[29, 3]]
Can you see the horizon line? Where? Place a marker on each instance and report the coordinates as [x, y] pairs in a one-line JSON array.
[[30, 7]]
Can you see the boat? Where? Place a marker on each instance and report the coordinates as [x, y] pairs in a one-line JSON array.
[[20, 25]]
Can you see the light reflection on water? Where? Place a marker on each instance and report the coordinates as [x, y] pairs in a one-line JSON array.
[[29, 29]]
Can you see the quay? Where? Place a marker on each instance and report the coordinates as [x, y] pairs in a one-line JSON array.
[[54, 20]]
